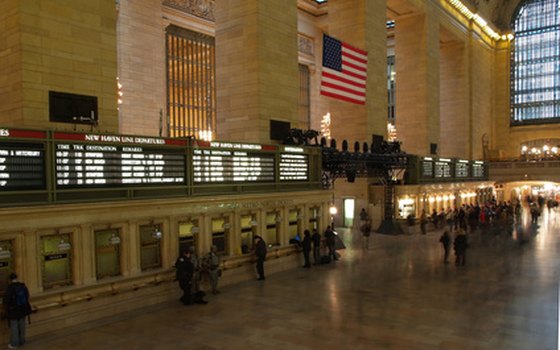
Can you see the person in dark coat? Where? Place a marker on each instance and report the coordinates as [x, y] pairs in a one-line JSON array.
[[460, 245], [316, 238], [445, 240], [330, 241], [260, 253], [306, 246], [17, 308], [184, 274]]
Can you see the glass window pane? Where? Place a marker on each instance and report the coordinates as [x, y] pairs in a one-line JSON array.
[[107, 244], [56, 251], [535, 72]]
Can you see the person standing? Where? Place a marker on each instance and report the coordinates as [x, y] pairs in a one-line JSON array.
[[195, 285], [423, 221], [460, 245], [445, 240], [16, 303], [212, 263], [260, 253], [316, 238], [364, 217], [306, 246], [184, 275], [330, 241]]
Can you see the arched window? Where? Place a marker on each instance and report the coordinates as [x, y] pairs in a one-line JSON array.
[[535, 63]]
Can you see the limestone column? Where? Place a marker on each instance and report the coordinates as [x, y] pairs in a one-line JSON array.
[[39, 53], [257, 77], [362, 24], [454, 104], [417, 84]]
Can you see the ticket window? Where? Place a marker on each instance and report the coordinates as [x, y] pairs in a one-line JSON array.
[[150, 247], [272, 228], [248, 231], [220, 231], [313, 219], [107, 253], [6, 265], [187, 235], [56, 259], [293, 227]]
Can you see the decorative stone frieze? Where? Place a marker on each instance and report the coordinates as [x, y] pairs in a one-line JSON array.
[[306, 45], [199, 8]]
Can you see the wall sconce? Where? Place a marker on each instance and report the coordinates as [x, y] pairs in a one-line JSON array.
[[195, 229], [157, 233], [5, 254], [333, 210], [254, 223], [114, 239], [226, 225], [63, 246], [278, 218]]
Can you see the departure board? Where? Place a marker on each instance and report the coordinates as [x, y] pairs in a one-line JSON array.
[[220, 162], [294, 166], [478, 169], [22, 164], [442, 169], [107, 163], [462, 169], [427, 169]]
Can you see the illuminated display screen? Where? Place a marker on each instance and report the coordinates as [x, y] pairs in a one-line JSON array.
[[461, 170], [294, 167], [442, 169], [478, 170], [219, 165], [22, 164], [85, 164], [427, 169]]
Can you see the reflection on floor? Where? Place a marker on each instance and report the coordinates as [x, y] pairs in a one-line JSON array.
[[396, 295]]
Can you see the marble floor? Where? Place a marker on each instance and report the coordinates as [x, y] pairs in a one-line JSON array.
[[396, 295]]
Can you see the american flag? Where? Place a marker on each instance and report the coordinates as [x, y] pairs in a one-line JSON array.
[[344, 71]]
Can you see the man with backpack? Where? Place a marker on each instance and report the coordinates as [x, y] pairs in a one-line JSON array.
[[16, 303]]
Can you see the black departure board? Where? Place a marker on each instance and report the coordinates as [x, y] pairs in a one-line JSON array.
[[427, 169], [478, 169], [294, 166], [22, 162], [462, 169], [219, 162], [442, 169], [105, 160]]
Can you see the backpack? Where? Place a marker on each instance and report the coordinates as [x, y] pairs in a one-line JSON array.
[[19, 305], [20, 296]]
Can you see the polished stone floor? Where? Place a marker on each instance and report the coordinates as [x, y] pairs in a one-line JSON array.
[[396, 295]]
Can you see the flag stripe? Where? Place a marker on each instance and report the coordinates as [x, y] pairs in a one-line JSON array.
[[344, 79], [353, 55], [344, 73], [341, 97], [356, 50], [350, 90]]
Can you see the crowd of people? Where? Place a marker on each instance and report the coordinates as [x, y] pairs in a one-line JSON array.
[[457, 223], [191, 270]]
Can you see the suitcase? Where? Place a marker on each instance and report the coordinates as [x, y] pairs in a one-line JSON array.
[[325, 259]]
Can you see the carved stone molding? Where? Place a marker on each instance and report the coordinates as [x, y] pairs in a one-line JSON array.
[[199, 8], [306, 45]]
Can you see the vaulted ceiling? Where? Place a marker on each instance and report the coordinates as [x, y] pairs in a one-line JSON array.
[[499, 12]]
